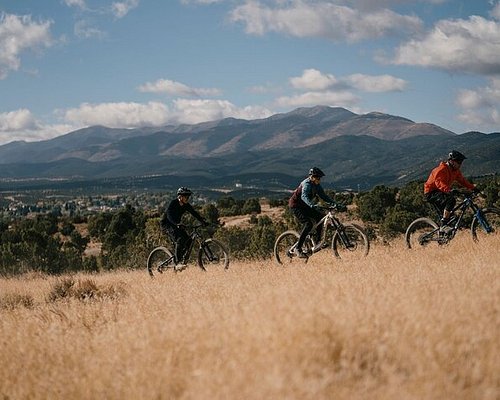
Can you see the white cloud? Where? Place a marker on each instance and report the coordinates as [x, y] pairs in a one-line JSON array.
[[195, 111], [323, 19], [132, 115], [376, 83], [84, 30], [22, 125], [495, 12], [17, 34], [471, 45], [76, 3], [331, 98], [481, 107], [118, 115], [176, 89], [18, 120], [122, 8], [312, 79]]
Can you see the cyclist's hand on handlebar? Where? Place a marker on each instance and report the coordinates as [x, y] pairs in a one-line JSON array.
[[455, 192], [476, 191]]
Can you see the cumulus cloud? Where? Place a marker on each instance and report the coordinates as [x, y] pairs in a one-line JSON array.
[[22, 125], [480, 108], [201, 110], [495, 12], [323, 19], [18, 34], [118, 115], [133, 115], [17, 120], [176, 89], [312, 79], [331, 98], [471, 46], [122, 8], [376, 83]]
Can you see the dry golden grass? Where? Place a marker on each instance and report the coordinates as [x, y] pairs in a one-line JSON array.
[[396, 325]]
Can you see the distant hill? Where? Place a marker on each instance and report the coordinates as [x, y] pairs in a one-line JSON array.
[[354, 150]]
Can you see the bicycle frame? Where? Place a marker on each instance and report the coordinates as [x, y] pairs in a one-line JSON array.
[[329, 221], [456, 219]]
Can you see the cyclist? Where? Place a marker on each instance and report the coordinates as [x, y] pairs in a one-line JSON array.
[[437, 188], [302, 206], [171, 223]]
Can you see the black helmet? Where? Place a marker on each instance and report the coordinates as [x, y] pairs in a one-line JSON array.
[[184, 191], [315, 171], [456, 156]]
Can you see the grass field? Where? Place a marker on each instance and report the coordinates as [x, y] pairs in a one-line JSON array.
[[398, 324]]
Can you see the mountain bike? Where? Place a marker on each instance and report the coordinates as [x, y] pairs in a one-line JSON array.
[[349, 240], [211, 253], [485, 221]]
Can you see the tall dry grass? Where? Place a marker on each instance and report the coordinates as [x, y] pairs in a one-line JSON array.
[[396, 325]]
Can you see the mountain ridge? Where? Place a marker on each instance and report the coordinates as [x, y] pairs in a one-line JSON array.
[[353, 149]]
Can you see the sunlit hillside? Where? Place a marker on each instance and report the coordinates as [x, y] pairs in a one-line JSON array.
[[398, 324]]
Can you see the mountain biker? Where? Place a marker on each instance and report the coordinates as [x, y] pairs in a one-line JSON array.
[[437, 188], [302, 206], [171, 223]]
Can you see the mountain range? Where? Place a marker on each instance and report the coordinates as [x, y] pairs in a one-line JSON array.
[[353, 149]]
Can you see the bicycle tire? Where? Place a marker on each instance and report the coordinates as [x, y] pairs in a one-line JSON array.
[[492, 216], [157, 258], [213, 253], [360, 245], [418, 233], [283, 245]]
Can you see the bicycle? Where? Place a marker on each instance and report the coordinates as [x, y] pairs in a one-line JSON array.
[[423, 231], [349, 240], [211, 252]]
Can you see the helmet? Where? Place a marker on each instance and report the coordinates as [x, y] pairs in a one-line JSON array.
[[456, 156], [184, 191], [315, 171]]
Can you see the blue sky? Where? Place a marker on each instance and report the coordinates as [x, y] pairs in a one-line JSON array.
[[68, 64]]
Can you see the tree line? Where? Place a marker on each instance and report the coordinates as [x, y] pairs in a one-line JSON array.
[[51, 244]]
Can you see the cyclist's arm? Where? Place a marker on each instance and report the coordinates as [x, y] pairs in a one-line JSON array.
[[195, 214], [464, 182], [323, 196]]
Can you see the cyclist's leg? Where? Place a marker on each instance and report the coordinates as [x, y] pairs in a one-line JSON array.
[[443, 201], [181, 245], [316, 216], [307, 223]]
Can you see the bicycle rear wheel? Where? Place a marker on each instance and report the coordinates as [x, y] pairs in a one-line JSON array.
[[159, 260], [421, 232], [491, 219], [212, 253], [351, 244]]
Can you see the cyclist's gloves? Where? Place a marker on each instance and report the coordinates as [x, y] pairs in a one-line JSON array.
[[476, 190]]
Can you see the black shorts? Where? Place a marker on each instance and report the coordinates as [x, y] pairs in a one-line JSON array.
[[442, 200]]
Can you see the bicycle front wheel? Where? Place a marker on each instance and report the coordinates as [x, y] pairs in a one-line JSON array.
[[350, 243], [421, 232], [490, 224], [212, 253], [159, 259]]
